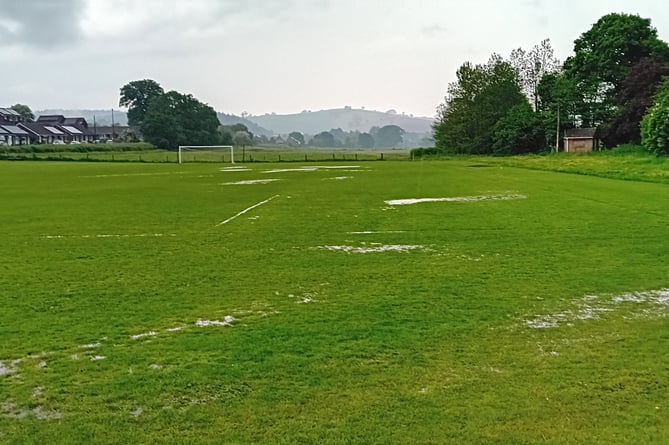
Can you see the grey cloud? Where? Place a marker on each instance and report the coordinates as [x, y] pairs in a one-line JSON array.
[[40, 23], [434, 30], [277, 9]]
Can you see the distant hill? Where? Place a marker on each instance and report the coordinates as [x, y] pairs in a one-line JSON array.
[[231, 119], [307, 122], [348, 119]]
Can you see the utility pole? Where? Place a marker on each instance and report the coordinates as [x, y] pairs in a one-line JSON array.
[[557, 131], [113, 129]]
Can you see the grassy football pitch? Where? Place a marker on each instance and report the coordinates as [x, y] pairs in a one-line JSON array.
[[374, 302]]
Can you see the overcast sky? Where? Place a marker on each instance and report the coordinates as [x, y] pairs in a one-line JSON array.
[[282, 56]]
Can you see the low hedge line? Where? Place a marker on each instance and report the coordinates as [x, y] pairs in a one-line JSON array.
[[77, 148]]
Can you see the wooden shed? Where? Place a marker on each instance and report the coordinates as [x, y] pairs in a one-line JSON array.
[[580, 140]]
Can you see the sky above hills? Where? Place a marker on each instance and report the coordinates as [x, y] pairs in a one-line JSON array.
[[282, 56]]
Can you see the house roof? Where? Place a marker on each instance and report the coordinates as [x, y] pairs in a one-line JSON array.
[[51, 118], [13, 129], [8, 111], [77, 122], [41, 129], [71, 130], [580, 133]]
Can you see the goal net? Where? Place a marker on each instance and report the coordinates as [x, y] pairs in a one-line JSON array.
[[206, 153]]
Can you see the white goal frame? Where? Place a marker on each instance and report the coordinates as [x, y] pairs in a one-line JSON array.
[[231, 147]]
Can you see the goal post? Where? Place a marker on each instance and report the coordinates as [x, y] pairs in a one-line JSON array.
[[205, 149]]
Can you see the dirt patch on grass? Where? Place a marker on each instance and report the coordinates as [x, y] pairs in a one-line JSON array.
[[8, 367]]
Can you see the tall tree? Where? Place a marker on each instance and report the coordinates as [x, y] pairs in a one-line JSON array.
[[137, 96], [520, 131], [25, 112], [174, 119], [603, 57], [365, 140], [655, 123], [323, 139], [389, 136], [532, 66], [297, 136], [558, 104], [242, 139], [481, 96], [635, 95]]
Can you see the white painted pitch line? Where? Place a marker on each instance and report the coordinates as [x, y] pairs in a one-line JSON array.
[[375, 232], [373, 249], [132, 174], [252, 182], [336, 167], [145, 334], [247, 210], [235, 169], [313, 168], [110, 235], [286, 170], [227, 321], [403, 202]]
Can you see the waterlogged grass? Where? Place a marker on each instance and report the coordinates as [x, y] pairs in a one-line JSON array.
[[339, 334]]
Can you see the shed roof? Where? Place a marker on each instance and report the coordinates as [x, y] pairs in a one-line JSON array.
[[580, 133]]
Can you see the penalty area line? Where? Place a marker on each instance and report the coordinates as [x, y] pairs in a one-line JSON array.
[[247, 210]]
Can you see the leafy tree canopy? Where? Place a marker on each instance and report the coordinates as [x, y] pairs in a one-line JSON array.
[[389, 136], [365, 140], [655, 123], [323, 139], [603, 57], [481, 96], [635, 95], [520, 131], [25, 112], [137, 96], [174, 119], [532, 66], [242, 138], [297, 136]]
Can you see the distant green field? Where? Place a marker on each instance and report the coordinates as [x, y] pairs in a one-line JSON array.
[[294, 303], [142, 152]]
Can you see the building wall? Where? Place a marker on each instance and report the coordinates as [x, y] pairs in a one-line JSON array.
[[579, 145]]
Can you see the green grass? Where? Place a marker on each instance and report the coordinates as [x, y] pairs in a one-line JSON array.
[[429, 345], [626, 162]]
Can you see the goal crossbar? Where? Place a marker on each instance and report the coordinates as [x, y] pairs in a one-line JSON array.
[[201, 147]]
